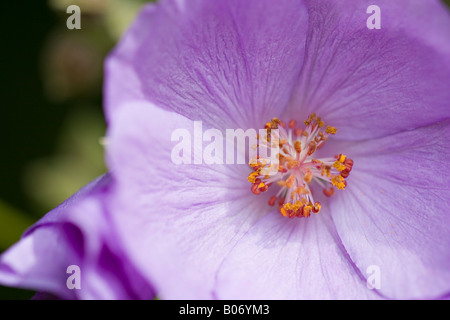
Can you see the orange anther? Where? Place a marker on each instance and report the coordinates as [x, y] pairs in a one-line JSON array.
[[292, 124], [298, 146], [328, 192], [272, 201], [298, 131], [290, 181], [312, 146], [255, 189]]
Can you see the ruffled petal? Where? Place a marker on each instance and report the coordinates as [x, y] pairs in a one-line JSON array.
[[394, 212], [77, 233], [228, 63], [371, 83]]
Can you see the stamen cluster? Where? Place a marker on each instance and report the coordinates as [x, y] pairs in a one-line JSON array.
[[297, 168]]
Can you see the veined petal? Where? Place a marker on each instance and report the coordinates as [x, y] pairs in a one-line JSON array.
[[229, 63], [374, 82], [394, 214], [178, 220], [285, 259]]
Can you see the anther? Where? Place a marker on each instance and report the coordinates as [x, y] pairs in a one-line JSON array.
[[292, 124], [297, 169]]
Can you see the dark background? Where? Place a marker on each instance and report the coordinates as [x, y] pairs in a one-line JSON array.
[[51, 120], [29, 123]]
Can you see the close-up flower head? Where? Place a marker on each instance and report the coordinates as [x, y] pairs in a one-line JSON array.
[[252, 150]]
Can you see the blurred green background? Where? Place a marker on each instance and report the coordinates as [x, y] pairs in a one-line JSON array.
[[51, 116]]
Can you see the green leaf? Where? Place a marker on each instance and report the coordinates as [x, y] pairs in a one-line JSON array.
[[12, 224]]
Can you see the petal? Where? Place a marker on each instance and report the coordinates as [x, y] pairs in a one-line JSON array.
[[280, 258], [371, 83], [394, 214], [229, 63], [21, 266], [121, 83], [178, 221], [78, 232]]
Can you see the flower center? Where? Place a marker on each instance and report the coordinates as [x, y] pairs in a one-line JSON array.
[[297, 167]]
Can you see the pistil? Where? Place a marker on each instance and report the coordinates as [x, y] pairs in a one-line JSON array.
[[298, 168]]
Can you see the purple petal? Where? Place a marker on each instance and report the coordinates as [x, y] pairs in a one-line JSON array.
[[209, 62], [284, 259], [178, 221], [229, 63], [371, 83], [394, 213], [78, 232]]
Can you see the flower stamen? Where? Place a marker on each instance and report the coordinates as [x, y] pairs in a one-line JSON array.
[[298, 169]]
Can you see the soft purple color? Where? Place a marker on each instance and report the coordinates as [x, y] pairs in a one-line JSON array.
[[196, 231], [77, 232]]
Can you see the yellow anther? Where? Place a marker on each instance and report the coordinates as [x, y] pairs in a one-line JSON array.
[[307, 210], [253, 163], [252, 177], [291, 164], [338, 182], [312, 147], [326, 171], [339, 163], [310, 119], [297, 205], [298, 146], [294, 172], [281, 183], [308, 176], [339, 166], [290, 181], [319, 122], [275, 122], [301, 191], [322, 136], [331, 130]]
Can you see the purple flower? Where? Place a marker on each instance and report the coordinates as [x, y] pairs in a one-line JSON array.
[[76, 233], [198, 231]]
